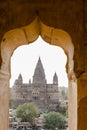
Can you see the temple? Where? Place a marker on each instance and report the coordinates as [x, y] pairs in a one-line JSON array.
[[44, 95]]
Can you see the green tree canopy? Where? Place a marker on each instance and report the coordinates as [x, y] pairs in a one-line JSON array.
[[54, 120], [27, 112], [62, 109]]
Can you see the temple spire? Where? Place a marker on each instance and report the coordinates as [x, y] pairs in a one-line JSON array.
[[55, 78], [39, 74]]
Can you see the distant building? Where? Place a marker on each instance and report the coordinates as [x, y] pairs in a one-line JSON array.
[[44, 95]]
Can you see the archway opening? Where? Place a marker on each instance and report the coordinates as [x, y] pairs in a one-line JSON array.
[[25, 62], [28, 34]]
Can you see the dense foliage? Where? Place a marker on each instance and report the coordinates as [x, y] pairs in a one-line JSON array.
[[63, 109], [27, 112], [54, 120]]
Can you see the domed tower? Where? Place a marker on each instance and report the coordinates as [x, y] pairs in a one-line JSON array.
[[39, 75], [55, 79]]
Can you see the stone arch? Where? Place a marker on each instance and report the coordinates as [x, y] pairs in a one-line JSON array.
[[25, 35]]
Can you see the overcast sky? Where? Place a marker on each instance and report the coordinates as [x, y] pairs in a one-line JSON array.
[[24, 60]]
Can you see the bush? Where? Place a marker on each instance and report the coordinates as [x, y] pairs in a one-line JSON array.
[[27, 112], [54, 120]]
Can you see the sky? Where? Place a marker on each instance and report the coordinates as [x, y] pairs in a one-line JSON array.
[[25, 58]]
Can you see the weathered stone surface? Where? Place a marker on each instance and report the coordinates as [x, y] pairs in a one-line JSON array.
[[82, 114]]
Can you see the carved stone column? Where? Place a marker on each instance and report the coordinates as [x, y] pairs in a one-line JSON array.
[[81, 74], [4, 89], [4, 100], [72, 102]]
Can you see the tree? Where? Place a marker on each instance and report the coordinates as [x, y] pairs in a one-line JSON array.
[[54, 120], [62, 109], [27, 112]]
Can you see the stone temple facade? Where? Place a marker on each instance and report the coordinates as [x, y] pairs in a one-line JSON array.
[[44, 95]]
